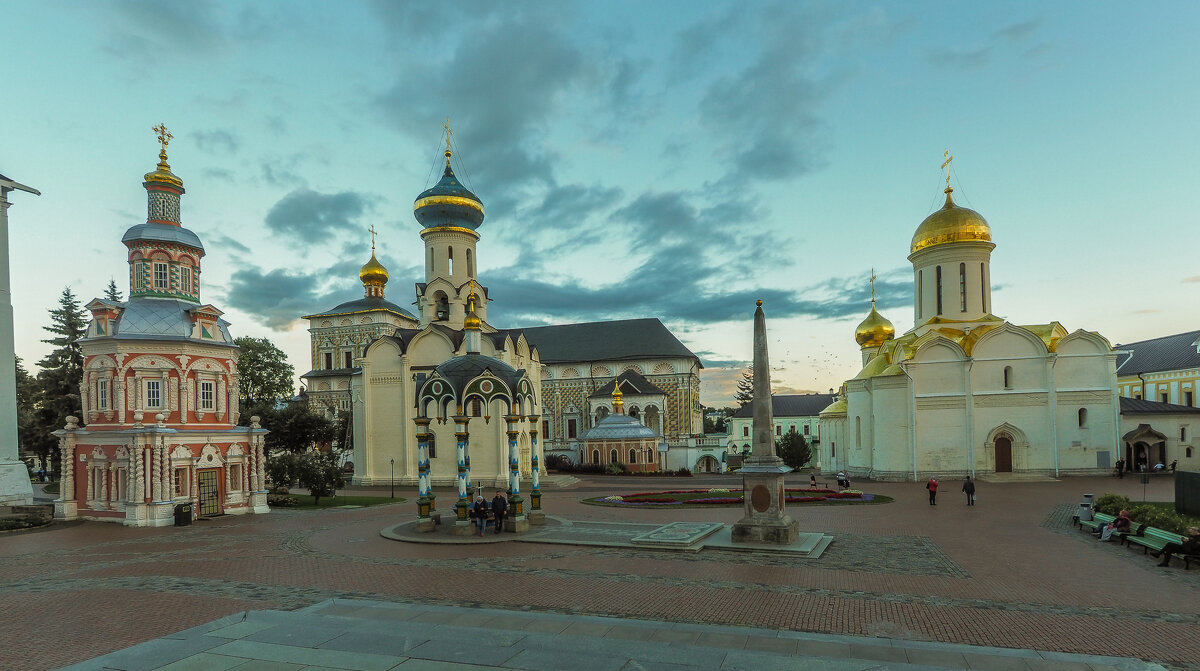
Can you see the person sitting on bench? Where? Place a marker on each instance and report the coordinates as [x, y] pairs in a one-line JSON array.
[[1121, 524], [1190, 546]]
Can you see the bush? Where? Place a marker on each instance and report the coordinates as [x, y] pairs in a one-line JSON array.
[[1111, 504], [684, 472], [283, 469], [1155, 516], [281, 501], [614, 469]]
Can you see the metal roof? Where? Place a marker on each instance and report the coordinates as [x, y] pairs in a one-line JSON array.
[[1173, 352], [606, 341], [1140, 406], [632, 383], [364, 305], [163, 233], [160, 318], [618, 427], [791, 405]]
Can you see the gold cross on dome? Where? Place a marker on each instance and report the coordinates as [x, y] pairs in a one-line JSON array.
[[449, 133], [872, 286], [164, 136], [946, 166], [372, 230]]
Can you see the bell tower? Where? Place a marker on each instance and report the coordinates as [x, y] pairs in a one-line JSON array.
[[450, 215]]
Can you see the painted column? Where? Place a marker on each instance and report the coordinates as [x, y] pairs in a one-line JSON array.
[[424, 500], [462, 521], [516, 520], [535, 492]]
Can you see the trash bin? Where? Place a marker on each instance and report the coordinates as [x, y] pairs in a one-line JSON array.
[[1085, 513], [183, 514], [1089, 500]]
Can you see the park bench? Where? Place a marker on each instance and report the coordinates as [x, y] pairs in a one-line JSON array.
[[1154, 539], [1098, 520], [1139, 530]]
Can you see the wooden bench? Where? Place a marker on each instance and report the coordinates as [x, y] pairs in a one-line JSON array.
[[1123, 536], [1098, 520], [1154, 539]]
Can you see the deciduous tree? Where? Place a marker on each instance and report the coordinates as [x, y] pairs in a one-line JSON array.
[[263, 370]]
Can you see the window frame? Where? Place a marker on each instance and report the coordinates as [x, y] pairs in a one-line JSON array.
[[156, 384], [166, 275], [211, 387]]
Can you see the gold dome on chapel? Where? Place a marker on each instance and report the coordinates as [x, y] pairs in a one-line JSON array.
[[373, 272], [874, 330], [951, 224]]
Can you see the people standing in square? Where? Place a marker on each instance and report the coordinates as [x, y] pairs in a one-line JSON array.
[[932, 486], [499, 509], [969, 489]]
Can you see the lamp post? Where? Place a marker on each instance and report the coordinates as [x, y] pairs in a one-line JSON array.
[[392, 475]]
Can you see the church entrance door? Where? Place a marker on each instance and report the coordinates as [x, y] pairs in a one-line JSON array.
[[209, 492], [1003, 454]]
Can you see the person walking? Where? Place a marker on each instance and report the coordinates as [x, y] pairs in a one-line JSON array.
[[499, 509], [480, 512], [932, 486], [1174, 463], [969, 489]]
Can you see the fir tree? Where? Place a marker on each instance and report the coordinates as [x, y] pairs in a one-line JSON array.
[[31, 435], [112, 293], [745, 387], [62, 368]]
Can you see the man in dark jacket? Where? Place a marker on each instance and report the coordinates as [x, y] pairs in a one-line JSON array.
[[1190, 546], [499, 509], [969, 489]]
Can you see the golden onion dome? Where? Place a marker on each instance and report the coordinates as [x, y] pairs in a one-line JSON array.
[[373, 272], [874, 330], [951, 224], [472, 320], [162, 172]]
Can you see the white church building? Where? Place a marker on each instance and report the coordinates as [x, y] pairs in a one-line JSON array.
[[965, 392]]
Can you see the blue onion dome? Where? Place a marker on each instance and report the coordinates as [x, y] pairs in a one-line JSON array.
[[448, 203]]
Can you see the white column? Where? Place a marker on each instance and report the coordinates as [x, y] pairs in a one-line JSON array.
[[15, 487]]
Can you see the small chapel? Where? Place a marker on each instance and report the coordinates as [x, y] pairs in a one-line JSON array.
[[160, 388], [963, 391]]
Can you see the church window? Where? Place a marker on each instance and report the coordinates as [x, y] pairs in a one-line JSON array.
[[1082, 418], [858, 431], [185, 279], [160, 276], [962, 286], [983, 288], [442, 305], [939, 290], [1008, 377], [102, 395], [633, 456], [431, 450], [612, 456], [832, 449], [470, 265], [920, 291], [601, 413], [1188, 453], [207, 398], [745, 432], [153, 394], [328, 360], [806, 428], [235, 477], [573, 431], [792, 429], [545, 429], [476, 407], [779, 429], [450, 260], [1183, 434], [181, 482], [595, 456], [349, 359], [431, 260], [1163, 397], [1187, 399], [633, 412]]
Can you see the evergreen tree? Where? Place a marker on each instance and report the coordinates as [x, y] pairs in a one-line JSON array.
[[745, 387], [31, 435], [111, 293], [62, 368], [793, 448]]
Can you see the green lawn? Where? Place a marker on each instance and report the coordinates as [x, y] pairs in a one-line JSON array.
[[306, 501]]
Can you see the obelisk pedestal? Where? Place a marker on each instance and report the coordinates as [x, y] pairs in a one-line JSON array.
[[766, 519]]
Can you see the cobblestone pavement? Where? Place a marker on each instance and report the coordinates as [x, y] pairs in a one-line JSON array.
[[1009, 572]]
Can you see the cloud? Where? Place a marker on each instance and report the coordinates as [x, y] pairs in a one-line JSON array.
[[226, 243], [1191, 280], [976, 56], [309, 216], [276, 298], [216, 141]]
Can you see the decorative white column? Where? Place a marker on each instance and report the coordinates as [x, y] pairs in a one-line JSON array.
[[516, 520], [15, 488], [462, 521]]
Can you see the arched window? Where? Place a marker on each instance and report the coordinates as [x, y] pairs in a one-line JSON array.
[[450, 260], [432, 447], [1008, 377], [1082, 417], [442, 306], [470, 265], [858, 431], [632, 456], [431, 263], [920, 291], [1188, 453], [962, 286], [983, 288], [939, 290], [612, 456], [601, 413], [633, 412], [476, 407], [745, 431], [595, 456]]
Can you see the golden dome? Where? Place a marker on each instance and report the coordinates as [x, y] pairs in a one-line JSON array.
[[162, 172], [373, 272], [951, 224], [471, 321], [874, 330]]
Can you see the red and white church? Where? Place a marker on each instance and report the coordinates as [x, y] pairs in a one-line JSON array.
[[160, 389]]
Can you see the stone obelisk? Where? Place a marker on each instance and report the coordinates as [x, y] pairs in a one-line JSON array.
[[14, 476], [766, 519]]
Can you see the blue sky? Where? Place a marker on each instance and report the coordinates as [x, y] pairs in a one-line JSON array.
[[670, 159]]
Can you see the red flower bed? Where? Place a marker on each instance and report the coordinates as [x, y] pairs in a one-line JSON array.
[[842, 495], [650, 499], [729, 499], [802, 499]]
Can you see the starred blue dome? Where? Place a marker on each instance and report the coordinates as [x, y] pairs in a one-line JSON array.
[[448, 203]]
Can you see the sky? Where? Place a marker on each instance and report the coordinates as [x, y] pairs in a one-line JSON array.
[[667, 159]]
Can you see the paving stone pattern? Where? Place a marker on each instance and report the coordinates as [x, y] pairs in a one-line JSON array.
[[997, 574]]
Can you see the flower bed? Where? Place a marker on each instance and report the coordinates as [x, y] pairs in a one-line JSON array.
[[729, 497]]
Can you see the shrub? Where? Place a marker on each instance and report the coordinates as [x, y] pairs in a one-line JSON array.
[[1111, 504], [281, 501], [684, 472], [614, 469]]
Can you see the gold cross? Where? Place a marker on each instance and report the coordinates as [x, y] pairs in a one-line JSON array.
[[164, 136], [449, 133], [872, 286], [372, 230], [946, 165]]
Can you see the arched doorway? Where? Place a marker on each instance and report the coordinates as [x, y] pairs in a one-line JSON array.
[[1004, 453], [1144, 447], [708, 464]]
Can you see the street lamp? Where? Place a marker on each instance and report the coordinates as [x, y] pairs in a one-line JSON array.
[[392, 462]]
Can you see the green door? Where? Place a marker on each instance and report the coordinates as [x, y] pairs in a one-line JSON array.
[[210, 492]]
